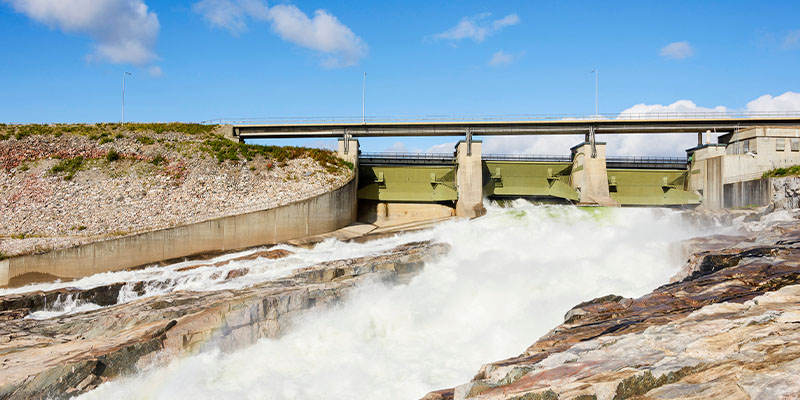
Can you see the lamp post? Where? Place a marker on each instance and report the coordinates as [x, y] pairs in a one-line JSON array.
[[123, 96], [364, 99], [596, 73]]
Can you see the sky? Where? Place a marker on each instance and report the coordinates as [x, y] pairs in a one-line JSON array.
[[199, 60]]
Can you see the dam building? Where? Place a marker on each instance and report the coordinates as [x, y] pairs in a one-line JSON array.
[[724, 174]]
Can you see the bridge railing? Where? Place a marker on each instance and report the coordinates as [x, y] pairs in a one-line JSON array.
[[647, 162], [526, 157], [503, 117]]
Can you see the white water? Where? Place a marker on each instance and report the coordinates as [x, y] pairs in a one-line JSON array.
[[507, 280], [161, 280]]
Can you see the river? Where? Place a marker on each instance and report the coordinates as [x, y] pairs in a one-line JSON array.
[[508, 278]]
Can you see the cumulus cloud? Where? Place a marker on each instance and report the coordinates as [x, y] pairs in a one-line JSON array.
[[789, 101], [637, 145], [232, 15], [124, 31], [677, 50], [501, 58], [155, 71], [477, 27], [678, 107], [791, 41], [322, 32]]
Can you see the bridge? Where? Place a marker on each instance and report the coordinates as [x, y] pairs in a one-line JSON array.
[[584, 176]]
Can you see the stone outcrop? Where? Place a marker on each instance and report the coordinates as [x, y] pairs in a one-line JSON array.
[[727, 327], [786, 192], [71, 354]]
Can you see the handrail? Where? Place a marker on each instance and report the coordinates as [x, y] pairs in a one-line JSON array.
[[526, 157], [506, 117]]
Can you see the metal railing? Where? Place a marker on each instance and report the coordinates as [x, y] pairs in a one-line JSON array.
[[505, 117], [634, 162], [407, 158], [526, 157]]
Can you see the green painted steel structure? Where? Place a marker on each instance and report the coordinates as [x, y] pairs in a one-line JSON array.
[[408, 183], [650, 187], [545, 181], [528, 179]]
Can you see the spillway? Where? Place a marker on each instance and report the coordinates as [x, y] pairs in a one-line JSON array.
[[508, 278]]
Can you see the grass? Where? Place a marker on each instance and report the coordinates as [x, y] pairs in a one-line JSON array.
[[225, 150], [158, 159], [112, 155], [104, 132], [3, 256], [781, 172], [68, 167], [145, 140]]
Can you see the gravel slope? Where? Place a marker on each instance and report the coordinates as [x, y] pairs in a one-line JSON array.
[[167, 181]]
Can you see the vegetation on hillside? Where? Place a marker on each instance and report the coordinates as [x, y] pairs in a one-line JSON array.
[[102, 131], [781, 172], [223, 150], [203, 138]]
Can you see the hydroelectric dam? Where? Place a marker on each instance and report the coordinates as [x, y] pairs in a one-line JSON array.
[[711, 175]]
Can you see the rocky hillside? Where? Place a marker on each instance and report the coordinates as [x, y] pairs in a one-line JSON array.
[[727, 328], [61, 185]]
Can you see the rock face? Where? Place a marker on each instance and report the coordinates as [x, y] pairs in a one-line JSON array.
[[786, 192], [727, 328], [65, 356]]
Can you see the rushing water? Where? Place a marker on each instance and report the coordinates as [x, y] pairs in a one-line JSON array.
[[507, 280]]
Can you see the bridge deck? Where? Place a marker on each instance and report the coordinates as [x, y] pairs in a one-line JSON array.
[[616, 124]]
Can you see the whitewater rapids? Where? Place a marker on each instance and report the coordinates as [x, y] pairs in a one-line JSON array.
[[508, 278]]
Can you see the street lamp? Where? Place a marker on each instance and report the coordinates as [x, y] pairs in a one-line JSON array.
[[596, 73], [123, 96]]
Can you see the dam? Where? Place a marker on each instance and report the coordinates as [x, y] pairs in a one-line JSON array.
[[726, 174]]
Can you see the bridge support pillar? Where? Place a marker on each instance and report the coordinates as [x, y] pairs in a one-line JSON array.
[[348, 149], [469, 179], [589, 175]]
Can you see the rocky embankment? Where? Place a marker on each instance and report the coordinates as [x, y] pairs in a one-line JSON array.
[[63, 185], [64, 356], [728, 327]]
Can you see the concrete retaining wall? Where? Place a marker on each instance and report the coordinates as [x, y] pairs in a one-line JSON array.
[[324, 213], [751, 193]]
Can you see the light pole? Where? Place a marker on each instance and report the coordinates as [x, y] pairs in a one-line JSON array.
[[123, 96], [596, 73], [364, 99]]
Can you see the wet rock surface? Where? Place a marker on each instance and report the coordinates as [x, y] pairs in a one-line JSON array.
[[71, 354], [728, 326]]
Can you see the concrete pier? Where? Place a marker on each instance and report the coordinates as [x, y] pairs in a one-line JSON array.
[[469, 179], [589, 175]]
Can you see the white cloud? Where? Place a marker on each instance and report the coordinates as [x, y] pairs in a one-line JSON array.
[[447, 147], [124, 31], [397, 147], [677, 50], [477, 28], [323, 32], [789, 101], [501, 58], [155, 71], [791, 41], [680, 106]]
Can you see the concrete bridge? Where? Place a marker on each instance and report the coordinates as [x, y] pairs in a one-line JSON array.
[[714, 175]]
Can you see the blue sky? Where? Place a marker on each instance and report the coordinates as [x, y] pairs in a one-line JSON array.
[[206, 59]]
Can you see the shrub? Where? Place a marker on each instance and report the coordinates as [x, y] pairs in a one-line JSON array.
[[145, 140], [112, 155], [106, 140], [158, 159], [781, 172], [68, 167]]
